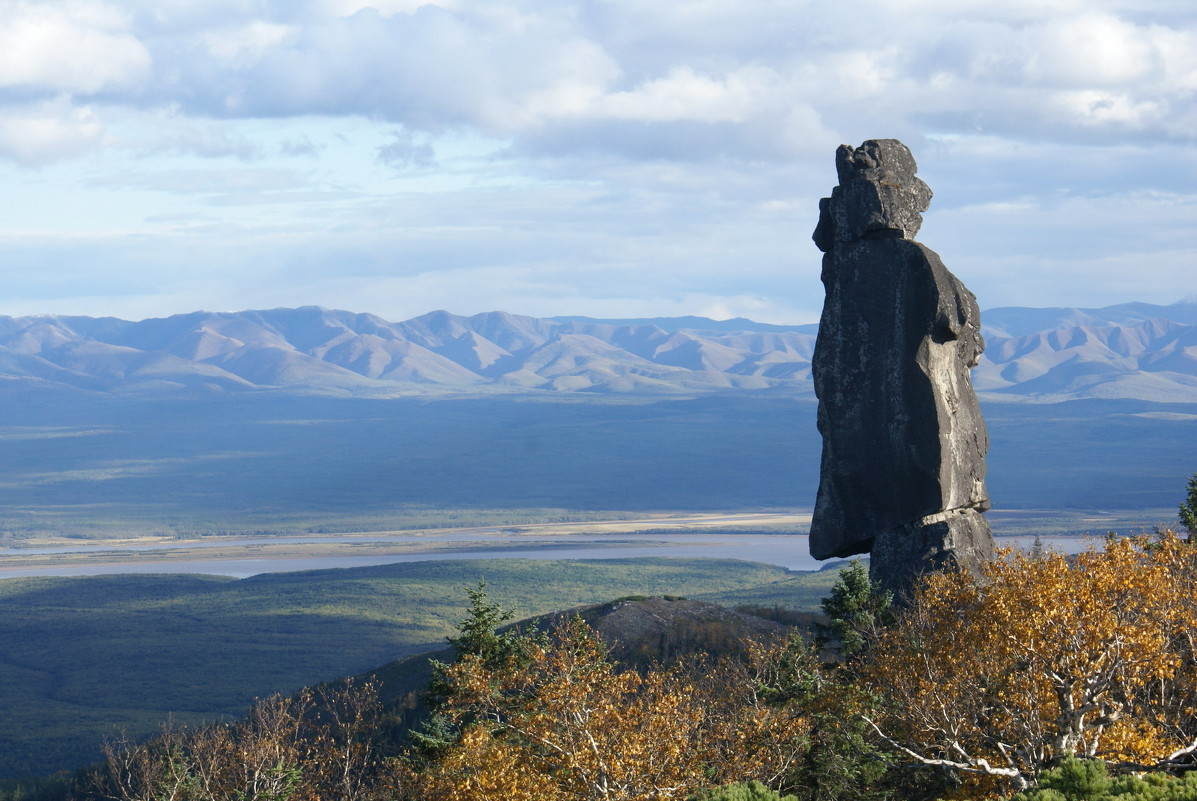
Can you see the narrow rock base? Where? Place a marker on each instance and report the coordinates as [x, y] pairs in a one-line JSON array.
[[946, 541]]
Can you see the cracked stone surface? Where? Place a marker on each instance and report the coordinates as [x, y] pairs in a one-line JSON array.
[[903, 468]]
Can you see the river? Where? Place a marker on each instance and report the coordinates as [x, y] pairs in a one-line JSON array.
[[785, 550]]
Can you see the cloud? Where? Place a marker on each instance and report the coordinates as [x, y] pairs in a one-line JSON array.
[[246, 45], [683, 94], [592, 155], [1093, 50], [69, 47], [206, 140], [754, 73], [299, 146], [404, 151], [36, 133], [230, 186], [431, 70], [1086, 248], [347, 8]]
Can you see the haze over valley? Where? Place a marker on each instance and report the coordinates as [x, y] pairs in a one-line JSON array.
[[301, 420]]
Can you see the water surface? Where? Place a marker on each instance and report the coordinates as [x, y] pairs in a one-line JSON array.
[[790, 551]]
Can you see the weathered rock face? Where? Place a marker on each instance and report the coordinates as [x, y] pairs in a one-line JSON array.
[[903, 467]]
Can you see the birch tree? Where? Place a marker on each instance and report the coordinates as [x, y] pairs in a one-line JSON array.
[[1045, 658]]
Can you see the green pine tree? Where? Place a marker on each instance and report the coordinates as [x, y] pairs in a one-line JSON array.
[[479, 635], [1188, 509], [751, 791], [857, 608]]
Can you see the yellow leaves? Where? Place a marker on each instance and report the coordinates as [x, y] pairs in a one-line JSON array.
[[1135, 741], [484, 767], [1045, 656], [567, 724], [1040, 658]]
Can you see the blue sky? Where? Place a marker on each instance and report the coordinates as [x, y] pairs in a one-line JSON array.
[[611, 158]]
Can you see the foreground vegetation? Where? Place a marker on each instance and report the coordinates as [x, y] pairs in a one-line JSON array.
[[85, 659], [1092, 657], [981, 687], [1048, 678]]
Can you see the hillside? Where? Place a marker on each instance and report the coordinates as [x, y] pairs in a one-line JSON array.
[[638, 630], [1134, 351], [202, 647]]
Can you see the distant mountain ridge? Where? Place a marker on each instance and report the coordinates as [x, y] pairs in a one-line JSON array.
[[1132, 350]]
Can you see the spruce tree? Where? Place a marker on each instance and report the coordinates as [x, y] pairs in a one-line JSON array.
[[1188, 509]]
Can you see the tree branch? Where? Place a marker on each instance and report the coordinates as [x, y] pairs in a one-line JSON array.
[[973, 765]]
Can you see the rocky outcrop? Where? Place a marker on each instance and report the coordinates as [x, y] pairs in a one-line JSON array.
[[903, 467]]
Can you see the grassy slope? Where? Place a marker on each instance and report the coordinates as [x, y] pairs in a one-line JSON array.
[[84, 658]]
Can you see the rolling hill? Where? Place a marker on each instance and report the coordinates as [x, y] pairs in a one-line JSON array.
[[1135, 350]]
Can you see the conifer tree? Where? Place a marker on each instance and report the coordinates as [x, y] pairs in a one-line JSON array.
[[857, 610], [750, 791], [479, 637], [1188, 509]]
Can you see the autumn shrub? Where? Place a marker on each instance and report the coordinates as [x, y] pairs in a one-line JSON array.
[[321, 743], [1060, 677], [1043, 658], [568, 724]]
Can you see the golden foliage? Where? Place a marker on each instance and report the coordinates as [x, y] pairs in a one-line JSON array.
[[483, 767], [567, 724], [1047, 656]]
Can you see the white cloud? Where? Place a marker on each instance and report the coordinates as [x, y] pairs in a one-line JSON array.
[[347, 8], [1094, 107], [540, 153], [1093, 50], [1179, 51], [245, 45], [530, 70], [1075, 249], [1024, 11], [77, 47], [683, 94]]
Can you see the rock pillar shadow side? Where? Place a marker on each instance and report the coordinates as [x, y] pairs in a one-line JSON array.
[[902, 474]]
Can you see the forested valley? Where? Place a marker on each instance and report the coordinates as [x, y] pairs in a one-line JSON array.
[[1048, 677]]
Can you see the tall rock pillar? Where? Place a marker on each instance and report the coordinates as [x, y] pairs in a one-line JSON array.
[[903, 467]]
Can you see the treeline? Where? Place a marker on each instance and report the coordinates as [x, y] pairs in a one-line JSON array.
[[1046, 678]]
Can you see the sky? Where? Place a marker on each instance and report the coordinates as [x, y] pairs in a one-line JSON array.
[[607, 158]]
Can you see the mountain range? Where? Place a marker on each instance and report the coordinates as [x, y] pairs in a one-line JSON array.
[[1133, 350]]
